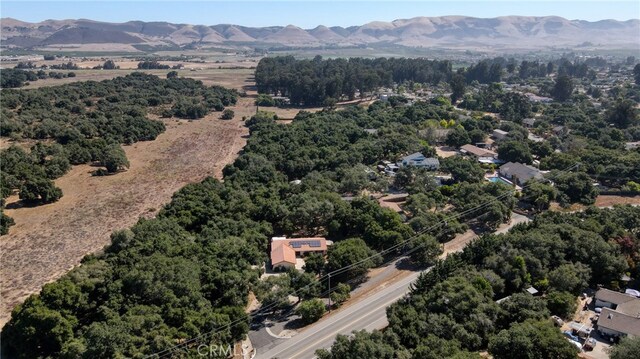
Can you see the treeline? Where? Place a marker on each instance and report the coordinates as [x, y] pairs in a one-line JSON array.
[[496, 69], [12, 78], [86, 122], [311, 82], [189, 271], [452, 310], [152, 65]]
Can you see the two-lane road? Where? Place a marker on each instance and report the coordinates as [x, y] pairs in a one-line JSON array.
[[367, 313]]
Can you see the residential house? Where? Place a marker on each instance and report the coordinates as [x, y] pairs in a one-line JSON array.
[[284, 251], [477, 151], [529, 122], [617, 324], [620, 314], [499, 134], [612, 299], [536, 98], [519, 173], [559, 130], [419, 160]]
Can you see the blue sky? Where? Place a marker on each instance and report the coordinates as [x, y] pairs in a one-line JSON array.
[[307, 14]]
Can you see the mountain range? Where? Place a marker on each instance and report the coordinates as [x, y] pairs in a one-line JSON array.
[[507, 32]]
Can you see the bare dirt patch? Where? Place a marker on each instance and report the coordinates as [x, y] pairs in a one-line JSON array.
[[49, 240]]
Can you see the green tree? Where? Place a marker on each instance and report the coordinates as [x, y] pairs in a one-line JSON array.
[[515, 151], [172, 74], [629, 347], [54, 330], [520, 307], [531, 340], [110, 65], [457, 137], [539, 194], [570, 277], [314, 263], [39, 189], [5, 223], [562, 304], [114, 159], [353, 251], [462, 169], [563, 88], [623, 114], [363, 344], [425, 250], [457, 84], [227, 114], [311, 310], [636, 73], [340, 294], [575, 187]]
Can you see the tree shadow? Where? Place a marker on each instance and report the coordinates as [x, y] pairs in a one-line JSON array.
[[294, 324], [407, 264]]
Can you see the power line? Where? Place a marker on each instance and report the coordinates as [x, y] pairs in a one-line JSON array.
[[167, 351]]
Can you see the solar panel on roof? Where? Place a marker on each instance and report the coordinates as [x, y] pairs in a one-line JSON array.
[[299, 244]]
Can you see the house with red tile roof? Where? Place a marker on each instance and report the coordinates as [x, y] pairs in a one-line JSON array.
[[284, 251]]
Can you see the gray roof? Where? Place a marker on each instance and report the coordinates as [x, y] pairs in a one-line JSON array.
[[619, 322], [529, 121], [414, 157], [522, 172], [614, 297], [419, 159]]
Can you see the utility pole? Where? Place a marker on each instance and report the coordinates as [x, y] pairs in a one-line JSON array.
[[329, 292]]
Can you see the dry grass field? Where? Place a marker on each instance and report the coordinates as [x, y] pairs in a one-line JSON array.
[[48, 240]]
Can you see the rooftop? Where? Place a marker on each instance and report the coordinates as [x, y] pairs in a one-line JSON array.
[[477, 151], [521, 171], [619, 322], [614, 297]]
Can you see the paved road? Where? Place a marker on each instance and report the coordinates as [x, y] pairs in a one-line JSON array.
[[368, 313]]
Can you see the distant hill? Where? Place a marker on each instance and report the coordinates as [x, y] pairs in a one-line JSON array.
[[507, 32]]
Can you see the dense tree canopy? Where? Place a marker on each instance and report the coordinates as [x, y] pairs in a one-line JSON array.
[[87, 122], [311, 82]]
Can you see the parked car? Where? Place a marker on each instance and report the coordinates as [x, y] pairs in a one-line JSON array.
[[557, 320], [590, 344]]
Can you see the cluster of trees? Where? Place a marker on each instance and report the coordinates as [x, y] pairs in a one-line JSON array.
[[64, 66], [311, 82], [152, 65], [12, 78], [492, 98], [493, 70], [107, 65], [87, 122], [452, 310]]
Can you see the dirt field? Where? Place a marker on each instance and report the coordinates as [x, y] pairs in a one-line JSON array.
[[601, 201], [49, 240], [232, 78]]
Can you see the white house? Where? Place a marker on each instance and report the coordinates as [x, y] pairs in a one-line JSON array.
[[419, 160]]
